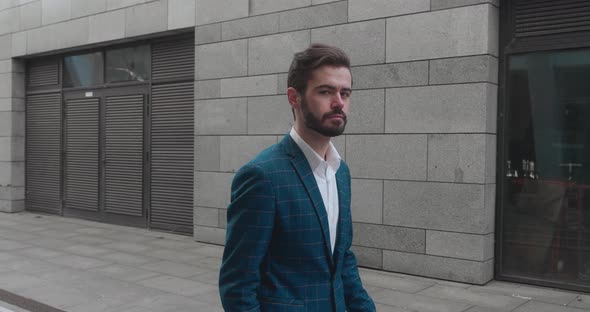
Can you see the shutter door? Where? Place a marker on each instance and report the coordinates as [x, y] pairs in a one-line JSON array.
[[43, 154], [544, 17], [124, 155], [82, 143], [172, 156]]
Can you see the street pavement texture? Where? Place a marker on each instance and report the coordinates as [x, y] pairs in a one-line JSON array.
[[82, 266]]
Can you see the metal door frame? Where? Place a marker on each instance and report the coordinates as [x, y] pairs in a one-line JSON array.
[[101, 93]]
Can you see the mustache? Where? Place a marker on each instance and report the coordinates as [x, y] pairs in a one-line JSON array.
[[337, 112]]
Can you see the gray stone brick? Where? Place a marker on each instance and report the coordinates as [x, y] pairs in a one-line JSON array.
[[492, 109], [367, 201], [339, 143], [12, 124], [211, 11], [489, 208], [6, 85], [206, 217], [491, 154], [389, 237], [387, 156], [458, 207], [212, 189], [250, 27], [447, 4], [223, 218], [13, 149], [367, 112], [459, 270], [209, 235], [273, 54], [6, 4], [390, 75], [480, 68], [107, 26], [282, 84], [226, 116], [181, 13], [268, 6], [6, 66], [368, 257], [30, 15], [12, 206], [237, 151], [448, 33], [315, 16], [5, 47], [460, 245], [364, 42], [117, 4], [68, 34], [19, 43], [219, 60], [54, 11], [269, 115], [413, 302], [207, 153], [207, 89], [87, 7], [9, 21], [315, 2], [370, 9], [494, 301], [249, 86], [146, 18], [438, 109], [12, 192], [207, 34], [457, 158]]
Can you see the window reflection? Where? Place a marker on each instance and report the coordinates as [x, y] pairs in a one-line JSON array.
[[546, 210], [83, 70], [128, 64]]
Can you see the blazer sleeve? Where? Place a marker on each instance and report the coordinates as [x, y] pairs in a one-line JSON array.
[[250, 220], [356, 297]]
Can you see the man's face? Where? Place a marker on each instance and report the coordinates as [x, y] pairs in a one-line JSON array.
[[324, 107]]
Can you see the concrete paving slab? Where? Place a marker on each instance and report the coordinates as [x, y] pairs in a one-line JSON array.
[[7, 244], [127, 258], [415, 302], [173, 268], [488, 300], [86, 250], [535, 306], [173, 255], [541, 294], [38, 253], [581, 302], [210, 277], [17, 281], [127, 247], [90, 240], [176, 285], [393, 282], [78, 262], [173, 303], [125, 273], [30, 266]]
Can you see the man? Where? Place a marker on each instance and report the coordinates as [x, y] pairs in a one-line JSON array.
[[289, 226]]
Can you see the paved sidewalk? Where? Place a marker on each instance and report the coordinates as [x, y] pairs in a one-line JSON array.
[[83, 266]]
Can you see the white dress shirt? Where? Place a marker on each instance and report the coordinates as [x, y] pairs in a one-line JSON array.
[[324, 172]]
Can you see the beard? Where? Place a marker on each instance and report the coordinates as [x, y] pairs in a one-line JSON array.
[[333, 129]]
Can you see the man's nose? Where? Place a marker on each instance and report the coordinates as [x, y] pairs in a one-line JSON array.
[[338, 101]]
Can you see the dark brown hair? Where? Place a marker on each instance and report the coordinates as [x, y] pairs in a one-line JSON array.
[[305, 62]]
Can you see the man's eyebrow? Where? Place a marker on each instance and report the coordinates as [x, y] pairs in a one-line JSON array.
[[331, 87]]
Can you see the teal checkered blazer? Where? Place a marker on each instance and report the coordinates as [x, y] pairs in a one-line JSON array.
[[277, 253]]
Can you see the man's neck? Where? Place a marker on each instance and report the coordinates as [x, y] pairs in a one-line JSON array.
[[316, 141]]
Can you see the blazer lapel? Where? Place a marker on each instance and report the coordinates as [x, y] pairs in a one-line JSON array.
[[304, 171], [343, 210]]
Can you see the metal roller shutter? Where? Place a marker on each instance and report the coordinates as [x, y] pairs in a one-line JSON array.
[[43, 74], [124, 155], [544, 17], [174, 58], [82, 154], [43, 153], [172, 156]]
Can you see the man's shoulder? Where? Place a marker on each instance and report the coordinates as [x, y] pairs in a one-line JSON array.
[[269, 158]]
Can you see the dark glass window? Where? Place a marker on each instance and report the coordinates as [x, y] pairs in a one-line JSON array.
[[83, 70], [128, 64], [546, 191]]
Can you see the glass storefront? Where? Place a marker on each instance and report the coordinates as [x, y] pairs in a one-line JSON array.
[[545, 197]]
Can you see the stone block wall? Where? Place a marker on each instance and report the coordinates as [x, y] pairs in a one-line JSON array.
[[422, 128]]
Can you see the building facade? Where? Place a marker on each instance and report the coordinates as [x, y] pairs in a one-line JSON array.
[[94, 118]]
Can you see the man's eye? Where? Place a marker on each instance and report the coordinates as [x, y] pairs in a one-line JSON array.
[[345, 94]]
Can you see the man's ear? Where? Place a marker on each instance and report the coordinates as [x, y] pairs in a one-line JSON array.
[[293, 97]]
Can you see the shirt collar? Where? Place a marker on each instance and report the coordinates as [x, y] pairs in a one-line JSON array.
[[314, 159]]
